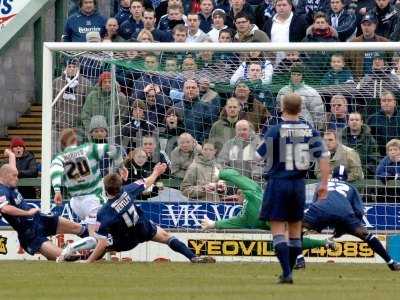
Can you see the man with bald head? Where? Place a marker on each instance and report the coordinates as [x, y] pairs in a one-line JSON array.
[[239, 151], [32, 226]]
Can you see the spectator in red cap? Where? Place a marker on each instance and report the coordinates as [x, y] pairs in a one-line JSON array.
[[26, 165], [98, 102]]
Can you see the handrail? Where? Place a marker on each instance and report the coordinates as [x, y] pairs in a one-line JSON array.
[[25, 17]]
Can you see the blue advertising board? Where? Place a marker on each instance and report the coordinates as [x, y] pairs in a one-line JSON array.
[[189, 214]]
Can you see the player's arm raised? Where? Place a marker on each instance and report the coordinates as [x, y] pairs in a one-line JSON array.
[[158, 170], [11, 157], [325, 170]]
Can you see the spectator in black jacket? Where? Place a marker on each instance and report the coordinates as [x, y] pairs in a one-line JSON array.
[[342, 20], [308, 8], [385, 125], [285, 16], [123, 11], [205, 15], [149, 23], [238, 6], [134, 24], [26, 166], [387, 16]]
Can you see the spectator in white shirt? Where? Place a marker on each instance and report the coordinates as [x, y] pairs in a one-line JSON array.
[[195, 34], [218, 19]]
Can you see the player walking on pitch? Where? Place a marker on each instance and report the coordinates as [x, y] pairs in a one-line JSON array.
[[288, 149]]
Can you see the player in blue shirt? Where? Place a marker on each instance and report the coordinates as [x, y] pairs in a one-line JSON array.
[[288, 149], [343, 210], [122, 225], [32, 227]]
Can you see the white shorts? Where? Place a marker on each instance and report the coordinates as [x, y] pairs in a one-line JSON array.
[[86, 207]]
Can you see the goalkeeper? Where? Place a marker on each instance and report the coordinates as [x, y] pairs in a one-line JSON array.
[[248, 216]]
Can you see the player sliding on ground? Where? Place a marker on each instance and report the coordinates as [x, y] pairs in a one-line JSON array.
[[122, 225], [248, 216], [287, 149], [32, 226], [343, 210], [77, 168]]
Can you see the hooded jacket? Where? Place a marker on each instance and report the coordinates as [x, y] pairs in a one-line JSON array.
[[98, 102], [365, 145], [201, 172], [223, 130], [379, 81], [313, 108]]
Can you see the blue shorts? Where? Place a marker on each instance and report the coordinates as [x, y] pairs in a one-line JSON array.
[[284, 200], [318, 220], [143, 231], [31, 239]]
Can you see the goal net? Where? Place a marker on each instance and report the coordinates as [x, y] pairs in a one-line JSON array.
[[203, 108]]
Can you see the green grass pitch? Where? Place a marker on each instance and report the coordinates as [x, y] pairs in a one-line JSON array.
[[109, 281]]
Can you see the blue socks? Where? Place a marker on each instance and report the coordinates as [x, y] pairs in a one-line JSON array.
[[295, 249], [282, 252], [376, 245], [180, 247]]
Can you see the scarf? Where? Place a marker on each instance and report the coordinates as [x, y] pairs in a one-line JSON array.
[[69, 93], [324, 33]]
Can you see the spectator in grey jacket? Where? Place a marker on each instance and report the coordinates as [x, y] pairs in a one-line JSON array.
[[183, 155], [239, 151], [313, 109]]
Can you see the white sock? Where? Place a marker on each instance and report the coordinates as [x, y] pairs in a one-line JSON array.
[[82, 244]]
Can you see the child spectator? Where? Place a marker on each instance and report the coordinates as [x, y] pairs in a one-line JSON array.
[[338, 73], [26, 166], [173, 127], [389, 166], [183, 155]]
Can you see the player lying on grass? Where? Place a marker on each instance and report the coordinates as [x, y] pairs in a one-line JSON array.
[[77, 167], [343, 210], [32, 227], [122, 225], [248, 216]]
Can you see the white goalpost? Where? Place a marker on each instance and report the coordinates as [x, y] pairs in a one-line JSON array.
[[127, 72]]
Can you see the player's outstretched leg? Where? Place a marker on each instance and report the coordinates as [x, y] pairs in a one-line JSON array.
[[66, 226], [376, 245], [165, 238]]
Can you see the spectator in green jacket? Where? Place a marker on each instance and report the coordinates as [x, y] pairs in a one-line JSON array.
[[98, 102]]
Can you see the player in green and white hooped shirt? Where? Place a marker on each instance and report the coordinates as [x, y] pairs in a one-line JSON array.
[[77, 168]]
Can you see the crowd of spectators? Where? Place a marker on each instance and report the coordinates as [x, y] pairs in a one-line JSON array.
[[206, 111]]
